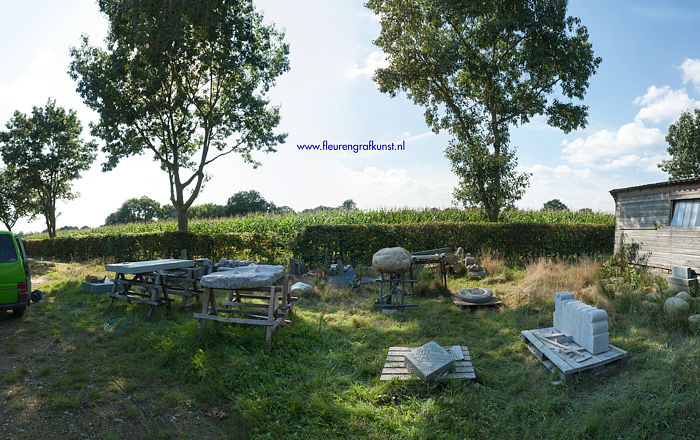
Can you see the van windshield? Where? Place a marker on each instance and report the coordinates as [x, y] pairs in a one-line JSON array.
[[7, 249]]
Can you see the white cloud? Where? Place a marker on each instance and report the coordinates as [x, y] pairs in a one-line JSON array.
[[375, 60], [663, 104], [691, 71], [418, 136], [42, 78], [651, 163], [606, 149]]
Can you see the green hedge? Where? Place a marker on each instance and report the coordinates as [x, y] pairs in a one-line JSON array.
[[134, 247], [319, 245], [517, 242]]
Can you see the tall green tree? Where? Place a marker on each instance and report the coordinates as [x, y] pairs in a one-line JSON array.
[[45, 154], [141, 210], [684, 147], [245, 202], [479, 68], [348, 205], [555, 205], [184, 81], [16, 201]]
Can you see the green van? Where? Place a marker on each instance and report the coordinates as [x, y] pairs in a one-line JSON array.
[[15, 283]]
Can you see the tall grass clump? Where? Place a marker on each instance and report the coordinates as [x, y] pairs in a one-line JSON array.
[[492, 262], [543, 278]]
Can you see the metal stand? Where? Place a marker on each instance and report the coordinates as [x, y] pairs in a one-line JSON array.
[[395, 297]]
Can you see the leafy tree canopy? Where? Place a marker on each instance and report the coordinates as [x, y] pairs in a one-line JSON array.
[[143, 209], [348, 205], [684, 147], [478, 68], [45, 154], [15, 200], [555, 205], [245, 202], [184, 81]]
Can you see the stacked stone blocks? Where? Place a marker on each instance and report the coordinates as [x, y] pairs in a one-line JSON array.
[[588, 326]]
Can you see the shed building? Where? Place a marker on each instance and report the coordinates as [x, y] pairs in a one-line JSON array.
[[661, 221]]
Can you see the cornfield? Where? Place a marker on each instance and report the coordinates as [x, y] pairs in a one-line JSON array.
[[290, 224]]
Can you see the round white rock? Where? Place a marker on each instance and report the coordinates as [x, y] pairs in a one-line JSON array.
[[674, 305], [685, 295]]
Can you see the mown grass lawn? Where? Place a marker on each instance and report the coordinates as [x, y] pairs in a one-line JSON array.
[[161, 378]]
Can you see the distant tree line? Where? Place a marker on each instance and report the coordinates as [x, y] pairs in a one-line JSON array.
[[144, 209]]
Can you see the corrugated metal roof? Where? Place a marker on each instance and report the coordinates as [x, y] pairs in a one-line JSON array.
[[613, 192]]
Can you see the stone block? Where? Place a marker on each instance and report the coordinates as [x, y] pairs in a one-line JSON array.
[[587, 325], [253, 275], [104, 287], [676, 284], [429, 361], [681, 272]]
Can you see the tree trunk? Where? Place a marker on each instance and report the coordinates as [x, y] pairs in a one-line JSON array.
[[181, 218], [492, 213], [495, 208], [51, 224]]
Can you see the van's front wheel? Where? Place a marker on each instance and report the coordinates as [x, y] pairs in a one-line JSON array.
[[19, 312]]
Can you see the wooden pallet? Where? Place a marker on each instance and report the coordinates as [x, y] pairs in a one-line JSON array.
[[579, 359], [467, 305], [395, 366]]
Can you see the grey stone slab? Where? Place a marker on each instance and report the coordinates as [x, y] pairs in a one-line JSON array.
[[457, 353], [104, 287], [253, 275], [681, 272], [429, 361], [148, 266]]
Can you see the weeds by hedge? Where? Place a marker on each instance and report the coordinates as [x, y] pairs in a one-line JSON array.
[[319, 245]]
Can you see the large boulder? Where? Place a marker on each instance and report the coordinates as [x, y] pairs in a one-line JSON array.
[[675, 305], [391, 260]]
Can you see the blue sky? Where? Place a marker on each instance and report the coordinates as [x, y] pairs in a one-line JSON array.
[[649, 74]]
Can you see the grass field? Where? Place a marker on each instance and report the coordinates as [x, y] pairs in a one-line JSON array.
[[166, 377], [293, 223]]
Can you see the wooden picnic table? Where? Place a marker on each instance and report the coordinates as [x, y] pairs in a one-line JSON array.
[[152, 282]]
